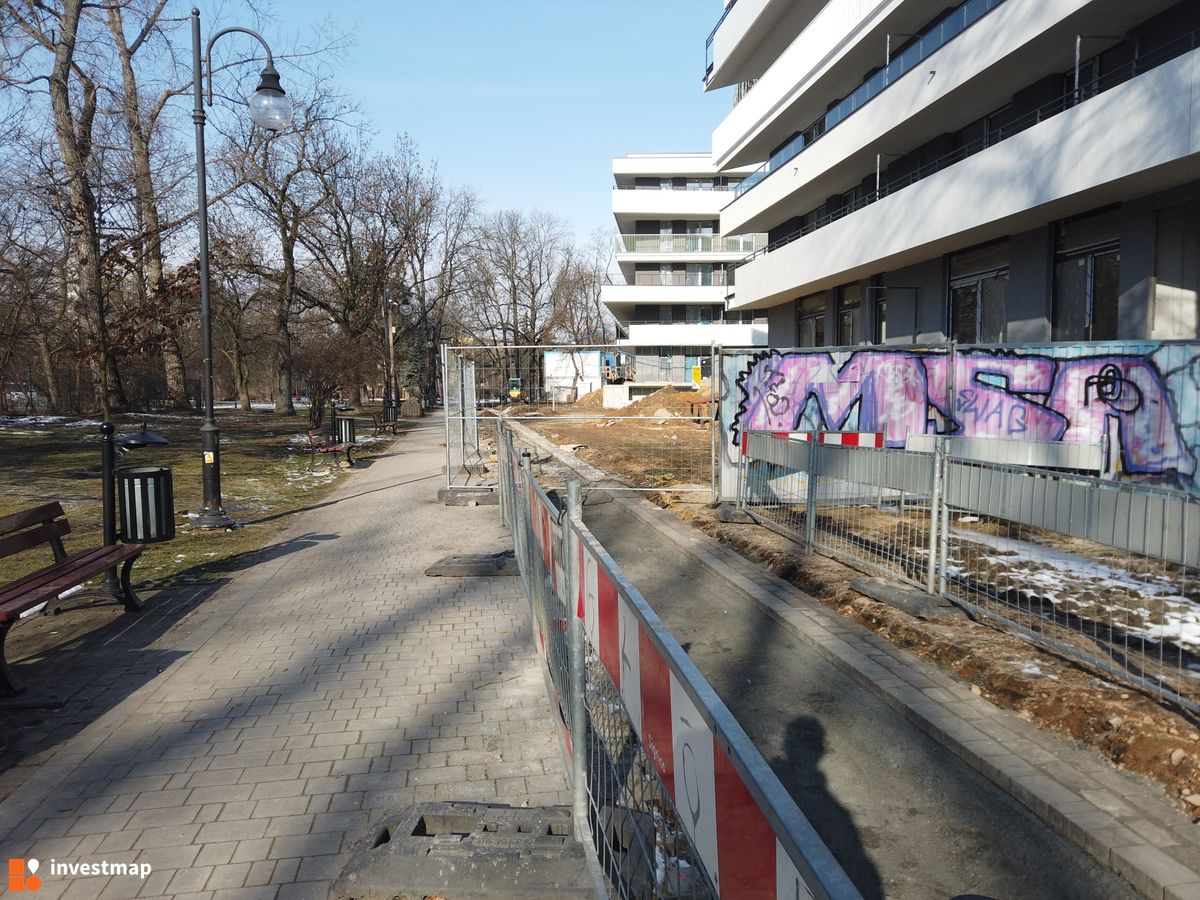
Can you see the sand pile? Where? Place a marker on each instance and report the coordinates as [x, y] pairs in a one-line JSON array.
[[673, 401]]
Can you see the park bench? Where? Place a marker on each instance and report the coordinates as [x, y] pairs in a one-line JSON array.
[[315, 446], [46, 524], [382, 425]]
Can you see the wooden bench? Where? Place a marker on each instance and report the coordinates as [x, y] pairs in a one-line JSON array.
[[46, 524], [382, 425], [315, 446]]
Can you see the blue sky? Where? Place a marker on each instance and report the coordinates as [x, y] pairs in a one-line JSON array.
[[527, 101]]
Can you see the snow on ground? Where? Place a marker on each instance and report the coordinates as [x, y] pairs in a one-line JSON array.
[[1148, 606], [44, 421]]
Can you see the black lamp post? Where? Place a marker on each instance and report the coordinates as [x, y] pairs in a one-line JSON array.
[[271, 110]]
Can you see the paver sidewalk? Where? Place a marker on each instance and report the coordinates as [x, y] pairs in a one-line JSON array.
[[316, 692]]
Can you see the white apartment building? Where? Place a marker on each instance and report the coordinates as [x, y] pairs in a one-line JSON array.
[[986, 171], [669, 298]]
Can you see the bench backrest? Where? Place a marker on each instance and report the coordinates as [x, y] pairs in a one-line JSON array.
[[45, 524]]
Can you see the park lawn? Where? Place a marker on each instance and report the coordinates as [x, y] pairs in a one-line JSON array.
[[264, 479]]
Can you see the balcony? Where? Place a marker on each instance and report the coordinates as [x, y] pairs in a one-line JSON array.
[[667, 202], [667, 287], [751, 33], [686, 244], [1142, 124], [916, 53], [694, 334]]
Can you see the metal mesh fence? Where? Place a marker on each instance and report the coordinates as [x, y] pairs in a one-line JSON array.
[[643, 845], [648, 422], [634, 827], [1108, 572]]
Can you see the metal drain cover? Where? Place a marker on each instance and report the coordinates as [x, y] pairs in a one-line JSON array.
[[475, 565], [469, 850]]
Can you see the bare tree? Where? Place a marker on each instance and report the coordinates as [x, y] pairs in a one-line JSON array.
[[282, 189]]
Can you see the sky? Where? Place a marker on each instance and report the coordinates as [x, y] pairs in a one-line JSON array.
[[527, 101]]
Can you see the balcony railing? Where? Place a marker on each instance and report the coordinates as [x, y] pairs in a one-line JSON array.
[[702, 186], [1145, 61], [937, 37], [719, 278], [689, 243], [721, 322], [708, 51]]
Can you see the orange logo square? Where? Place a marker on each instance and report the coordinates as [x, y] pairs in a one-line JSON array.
[[18, 880]]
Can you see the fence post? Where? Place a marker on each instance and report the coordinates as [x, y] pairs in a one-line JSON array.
[[445, 352], [501, 470], [525, 526], [935, 504], [714, 421], [944, 530], [741, 485], [578, 720], [810, 509]]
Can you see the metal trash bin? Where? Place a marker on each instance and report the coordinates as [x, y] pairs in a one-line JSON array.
[[146, 499], [389, 413], [345, 431]]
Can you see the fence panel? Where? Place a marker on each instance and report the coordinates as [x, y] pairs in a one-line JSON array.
[[649, 422], [1106, 571], [678, 801]]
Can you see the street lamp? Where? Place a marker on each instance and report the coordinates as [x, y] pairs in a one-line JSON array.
[[271, 110]]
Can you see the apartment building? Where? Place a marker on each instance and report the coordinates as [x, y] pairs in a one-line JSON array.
[[669, 296], [997, 171]]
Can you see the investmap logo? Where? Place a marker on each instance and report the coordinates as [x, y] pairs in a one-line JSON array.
[[23, 873]]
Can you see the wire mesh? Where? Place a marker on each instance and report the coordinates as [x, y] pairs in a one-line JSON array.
[[634, 826], [648, 421], [1106, 571], [636, 830]]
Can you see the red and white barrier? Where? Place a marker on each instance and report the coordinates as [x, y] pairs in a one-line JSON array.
[[724, 823], [870, 439]]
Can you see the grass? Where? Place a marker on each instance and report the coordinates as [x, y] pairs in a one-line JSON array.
[[264, 479]]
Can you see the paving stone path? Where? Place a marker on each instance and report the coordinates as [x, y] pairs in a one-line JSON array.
[[319, 690]]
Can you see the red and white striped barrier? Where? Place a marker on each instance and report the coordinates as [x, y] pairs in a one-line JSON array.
[[725, 824], [870, 439]]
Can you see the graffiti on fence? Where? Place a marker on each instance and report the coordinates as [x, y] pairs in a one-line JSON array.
[[1142, 399]]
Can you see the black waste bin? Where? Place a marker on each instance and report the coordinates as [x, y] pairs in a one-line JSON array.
[[389, 413], [147, 502], [345, 431]]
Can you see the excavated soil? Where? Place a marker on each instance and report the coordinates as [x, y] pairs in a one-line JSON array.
[[1130, 728]]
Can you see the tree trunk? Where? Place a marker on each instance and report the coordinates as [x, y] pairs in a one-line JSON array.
[[147, 208], [284, 380], [53, 399]]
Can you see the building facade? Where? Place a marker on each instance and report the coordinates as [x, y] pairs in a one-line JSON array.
[[669, 296], [999, 172]]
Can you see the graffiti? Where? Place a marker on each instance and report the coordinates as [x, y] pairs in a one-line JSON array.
[[1080, 394]]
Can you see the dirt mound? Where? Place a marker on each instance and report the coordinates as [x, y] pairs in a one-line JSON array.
[[591, 401], [669, 399]]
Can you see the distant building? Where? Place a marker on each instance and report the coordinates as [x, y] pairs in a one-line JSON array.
[[669, 298], [1000, 171]]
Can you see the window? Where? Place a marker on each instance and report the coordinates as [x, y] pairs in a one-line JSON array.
[[849, 314], [979, 294], [810, 326], [1087, 268]]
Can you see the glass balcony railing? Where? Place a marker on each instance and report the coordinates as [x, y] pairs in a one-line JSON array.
[[1148, 59], [718, 278], [693, 185], [689, 243], [912, 56], [708, 44]]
